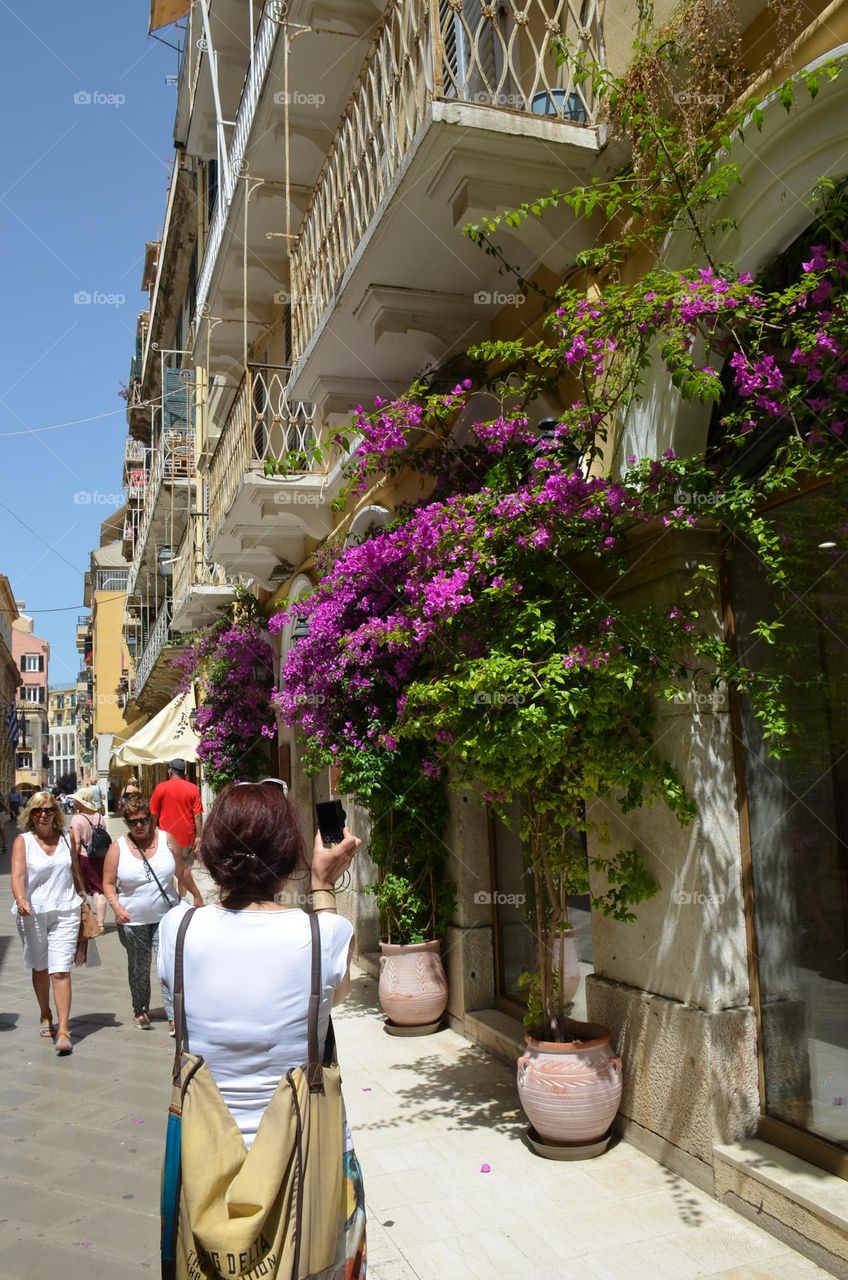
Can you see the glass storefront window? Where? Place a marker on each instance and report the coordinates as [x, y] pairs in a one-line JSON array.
[[798, 812]]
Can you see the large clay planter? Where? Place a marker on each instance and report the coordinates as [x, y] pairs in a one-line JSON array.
[[570, 1092], [413, 987], [562, 947]]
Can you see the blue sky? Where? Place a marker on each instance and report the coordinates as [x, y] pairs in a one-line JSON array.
[[83, 186]]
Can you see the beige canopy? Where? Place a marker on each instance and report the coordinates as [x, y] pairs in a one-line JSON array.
[[167, 736]]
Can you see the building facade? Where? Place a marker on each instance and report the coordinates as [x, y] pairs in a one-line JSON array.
[[32, 658], [62, 723], [278, 304], [10, 681]]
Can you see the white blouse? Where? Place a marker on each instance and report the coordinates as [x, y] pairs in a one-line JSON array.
[[138, 892], [49, 883], [247, 978]]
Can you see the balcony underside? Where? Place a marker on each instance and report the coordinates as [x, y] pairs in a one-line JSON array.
[[201, 606], [265, 531], [410, 295], [159, 687]]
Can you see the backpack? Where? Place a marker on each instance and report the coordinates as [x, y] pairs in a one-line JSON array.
[[99, 840], [273, 1211]]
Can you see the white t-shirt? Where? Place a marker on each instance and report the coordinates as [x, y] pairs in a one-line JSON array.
[[247, 977], [138, 892], [49, 884]]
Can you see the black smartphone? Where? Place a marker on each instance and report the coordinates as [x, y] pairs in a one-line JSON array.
[[331, 820]]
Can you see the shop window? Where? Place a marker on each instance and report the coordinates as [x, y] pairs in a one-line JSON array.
[[797, 814]]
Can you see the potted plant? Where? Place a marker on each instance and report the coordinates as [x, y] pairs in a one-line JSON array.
[[413, 988]]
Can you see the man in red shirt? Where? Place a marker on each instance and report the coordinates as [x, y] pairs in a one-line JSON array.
[[176, 806]]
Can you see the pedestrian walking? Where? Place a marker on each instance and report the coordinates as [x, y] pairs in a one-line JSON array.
[[15, 802], [48, 886], [85, 821], [138, 880], [129, 790], [97, 795], [249, 966], [5, 816], [176, 806]]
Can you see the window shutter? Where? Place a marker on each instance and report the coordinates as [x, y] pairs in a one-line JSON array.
[[41, 664], [23, 662]]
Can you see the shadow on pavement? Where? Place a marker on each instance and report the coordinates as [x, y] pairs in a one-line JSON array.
[[87, 1024]]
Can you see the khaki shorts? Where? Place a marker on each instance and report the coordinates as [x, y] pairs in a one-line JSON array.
[[50, 939]]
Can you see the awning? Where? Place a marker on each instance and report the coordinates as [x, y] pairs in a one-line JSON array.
[[164, 12], [167, 736]]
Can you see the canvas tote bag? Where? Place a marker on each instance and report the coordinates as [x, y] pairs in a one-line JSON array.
[[272, 1211]]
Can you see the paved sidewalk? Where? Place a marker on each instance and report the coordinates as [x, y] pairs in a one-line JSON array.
[[82, 1143]]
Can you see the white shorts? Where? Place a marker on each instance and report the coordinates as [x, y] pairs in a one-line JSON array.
[[50, 939]]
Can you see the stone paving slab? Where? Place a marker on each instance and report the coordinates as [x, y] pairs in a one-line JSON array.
[[82, 1140]]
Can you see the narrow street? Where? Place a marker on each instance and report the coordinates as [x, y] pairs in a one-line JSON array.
[[452, 1190]]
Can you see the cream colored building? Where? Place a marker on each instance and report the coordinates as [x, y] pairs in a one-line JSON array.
[[312, 257]]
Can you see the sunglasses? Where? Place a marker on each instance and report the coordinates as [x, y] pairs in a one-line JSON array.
[[38, 813], [278, 782], [138, 822]]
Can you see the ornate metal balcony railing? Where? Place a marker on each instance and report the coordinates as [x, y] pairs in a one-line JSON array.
[[134, 451], [156, 641], [266, 35], [500, 55], [191, 568], [172, 460], [262, 426]]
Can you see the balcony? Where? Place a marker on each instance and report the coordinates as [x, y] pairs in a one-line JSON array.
[[167, 491], [200, 588], [259, 522], [155, 679], [459, 111], [321, 73]]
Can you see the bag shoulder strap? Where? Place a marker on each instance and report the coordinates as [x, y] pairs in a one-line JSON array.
[[315, 1067], [178, 994], [169, 901]]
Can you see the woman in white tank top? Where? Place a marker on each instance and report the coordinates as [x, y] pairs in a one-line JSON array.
[[48, 887], [138, 880]]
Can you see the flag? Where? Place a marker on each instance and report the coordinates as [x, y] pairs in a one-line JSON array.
[[12, 727]]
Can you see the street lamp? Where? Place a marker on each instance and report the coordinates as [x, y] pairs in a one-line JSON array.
[[165, 562]]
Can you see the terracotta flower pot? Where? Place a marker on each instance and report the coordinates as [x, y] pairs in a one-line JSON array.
[[571, 1092], [413, 987]]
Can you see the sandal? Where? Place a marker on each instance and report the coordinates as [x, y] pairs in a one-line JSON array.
[[47, 1031], [142, 1021], [63, 1044]]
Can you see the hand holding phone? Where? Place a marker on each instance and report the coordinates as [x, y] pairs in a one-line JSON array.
[[331, 817]]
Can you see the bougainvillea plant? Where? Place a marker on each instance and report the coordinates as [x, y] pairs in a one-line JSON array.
[[486, 627], [233, 664]]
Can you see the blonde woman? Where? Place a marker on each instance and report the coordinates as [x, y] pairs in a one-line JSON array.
[[48, 887]]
